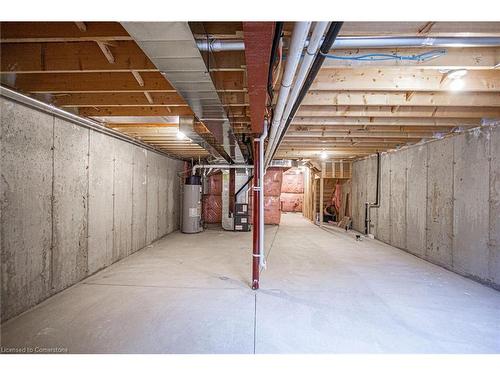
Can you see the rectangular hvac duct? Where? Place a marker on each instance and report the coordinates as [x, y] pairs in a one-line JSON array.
[[172, 48]]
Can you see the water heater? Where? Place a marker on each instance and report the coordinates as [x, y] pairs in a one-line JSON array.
[[191, 207]]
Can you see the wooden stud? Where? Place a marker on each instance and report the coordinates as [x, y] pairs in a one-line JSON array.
[[426, 28], [81, 26], [138, 78], [106, 51], [409, 95], [148, 97]]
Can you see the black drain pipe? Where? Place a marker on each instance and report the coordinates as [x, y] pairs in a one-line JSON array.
[[241, 188], [327, 44], [376, 204], [278, 33]]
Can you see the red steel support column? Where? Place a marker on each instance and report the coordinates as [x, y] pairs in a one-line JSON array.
[[255, 212], [258, 37]]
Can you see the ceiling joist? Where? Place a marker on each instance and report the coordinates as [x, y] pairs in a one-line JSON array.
[[409, 98], [401, 79]]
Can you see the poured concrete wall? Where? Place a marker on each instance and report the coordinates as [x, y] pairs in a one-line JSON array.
[[439, 200], [73, 201]]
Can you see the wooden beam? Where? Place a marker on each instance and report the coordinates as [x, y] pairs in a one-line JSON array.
[[362, 134], [338, 147], [141, 125], [384, 121], [315, 154], [224, 30], [401, 79], [453, 58], [72, 57], [411, 98], [342, 148], [414, 29], [227, 60], [92, 83], [116, 99], [22, 58], [345, 140], [370, 150], [318, 140], [386, 111], [135, 111], [89, 82], [29, 32], [233, 80], [414, 129]]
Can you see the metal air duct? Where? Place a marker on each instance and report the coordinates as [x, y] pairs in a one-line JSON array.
[[173, 49]]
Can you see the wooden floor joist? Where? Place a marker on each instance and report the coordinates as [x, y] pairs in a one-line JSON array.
[[444, 58], [353, 108], [401, 79], [135, 111], [388, 111], [410, 98]]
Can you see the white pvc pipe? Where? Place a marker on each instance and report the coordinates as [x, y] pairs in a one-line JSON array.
[[312, 48], [221, 166], [299, 36], [215, 45], [262, 256], [343, 42]]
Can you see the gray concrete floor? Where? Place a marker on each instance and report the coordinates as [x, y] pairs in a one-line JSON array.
[[323, 292]]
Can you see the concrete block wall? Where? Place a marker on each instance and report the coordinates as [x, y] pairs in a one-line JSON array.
[[73, 201], [439, 201]]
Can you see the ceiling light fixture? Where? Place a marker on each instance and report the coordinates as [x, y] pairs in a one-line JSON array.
[[180, 136], [455, 78], [456, 74], [457, 84], [323, 155]]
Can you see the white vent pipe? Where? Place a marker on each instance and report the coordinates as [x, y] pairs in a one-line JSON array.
[[314, 44], [217, 45], [221, 166], [299, 36]]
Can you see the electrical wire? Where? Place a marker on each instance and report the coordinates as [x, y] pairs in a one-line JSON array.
[[385, 56]]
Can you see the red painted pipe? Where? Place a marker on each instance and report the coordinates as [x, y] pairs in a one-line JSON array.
[[255, 212]]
